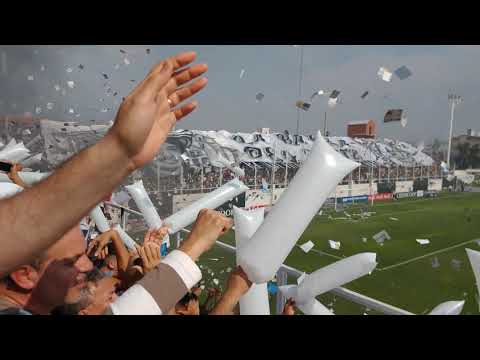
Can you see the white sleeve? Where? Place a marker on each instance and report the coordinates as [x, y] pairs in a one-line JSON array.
[[184, 266], [135, 301]]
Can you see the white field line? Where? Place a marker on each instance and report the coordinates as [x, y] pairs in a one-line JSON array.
[[324, 253], [406, 261], [425, 256]]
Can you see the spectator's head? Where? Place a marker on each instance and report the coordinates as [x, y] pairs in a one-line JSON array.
[[110, 266], [104, 293], [56, 277], [188, 305]]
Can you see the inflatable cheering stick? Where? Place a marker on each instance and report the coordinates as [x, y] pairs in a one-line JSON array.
[[127, 240], [448, 308], [255, 301], [329, 278], [139, 194], [261, 257], [100, 220], [212, 200]]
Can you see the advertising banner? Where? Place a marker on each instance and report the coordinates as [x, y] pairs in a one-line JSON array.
[[259, 198], [403, 186], [404, 195], [360, 189], [431, 193], [435, 185], [351, 199], [380, 197]]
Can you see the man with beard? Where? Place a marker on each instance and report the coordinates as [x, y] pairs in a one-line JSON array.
[[57, 277]]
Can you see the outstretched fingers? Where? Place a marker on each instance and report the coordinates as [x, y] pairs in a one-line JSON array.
[[185, 110], [186, 92]]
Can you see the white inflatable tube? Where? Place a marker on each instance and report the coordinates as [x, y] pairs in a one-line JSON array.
[[335, 275], [127, 240], [314, 307], [448, 308], [474, 258], [8, 190], [309, 307], [261, 257], [212, 200], [255, 301], [29, 178], [139, 194], [15, 153], [100, 220]]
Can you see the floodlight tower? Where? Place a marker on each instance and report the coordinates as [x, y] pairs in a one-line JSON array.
[[300, 81], [454, 101]]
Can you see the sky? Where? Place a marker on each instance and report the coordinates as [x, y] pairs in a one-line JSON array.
[[229, 102]]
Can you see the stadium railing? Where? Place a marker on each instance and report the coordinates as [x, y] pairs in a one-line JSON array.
[[285, 271]]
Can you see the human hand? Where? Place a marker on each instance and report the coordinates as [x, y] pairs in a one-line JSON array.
[[156, 236], [14, 170], [289, 308], [13, 175], [210, 224], [214, 293], [197, 291], [150, 257], [146, 116], [238, 282], [98, 246]]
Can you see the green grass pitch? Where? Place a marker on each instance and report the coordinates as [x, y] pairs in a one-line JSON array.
[[404, 276]]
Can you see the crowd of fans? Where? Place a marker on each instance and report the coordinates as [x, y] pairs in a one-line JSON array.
[[190, 179], [52, 263]]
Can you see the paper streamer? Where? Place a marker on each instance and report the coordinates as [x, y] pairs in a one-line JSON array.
[[139, 194], [448, 308], [8, 190], [212, 200], [127, 240], [255, 301], [261, 257]]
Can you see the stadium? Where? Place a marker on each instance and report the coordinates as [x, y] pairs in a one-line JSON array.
[[361, 222], [398, 189]]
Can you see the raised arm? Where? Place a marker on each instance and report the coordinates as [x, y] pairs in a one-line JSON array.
[[238, 285], [34, 219], [177, 273]]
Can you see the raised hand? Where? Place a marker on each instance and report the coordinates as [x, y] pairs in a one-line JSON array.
[[289, 308], [156, 236], [148, 114], [98, 246], [210, 224], [150, 257]]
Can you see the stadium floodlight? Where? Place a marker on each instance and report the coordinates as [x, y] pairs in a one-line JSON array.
[[454, 101], [300, 81]]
